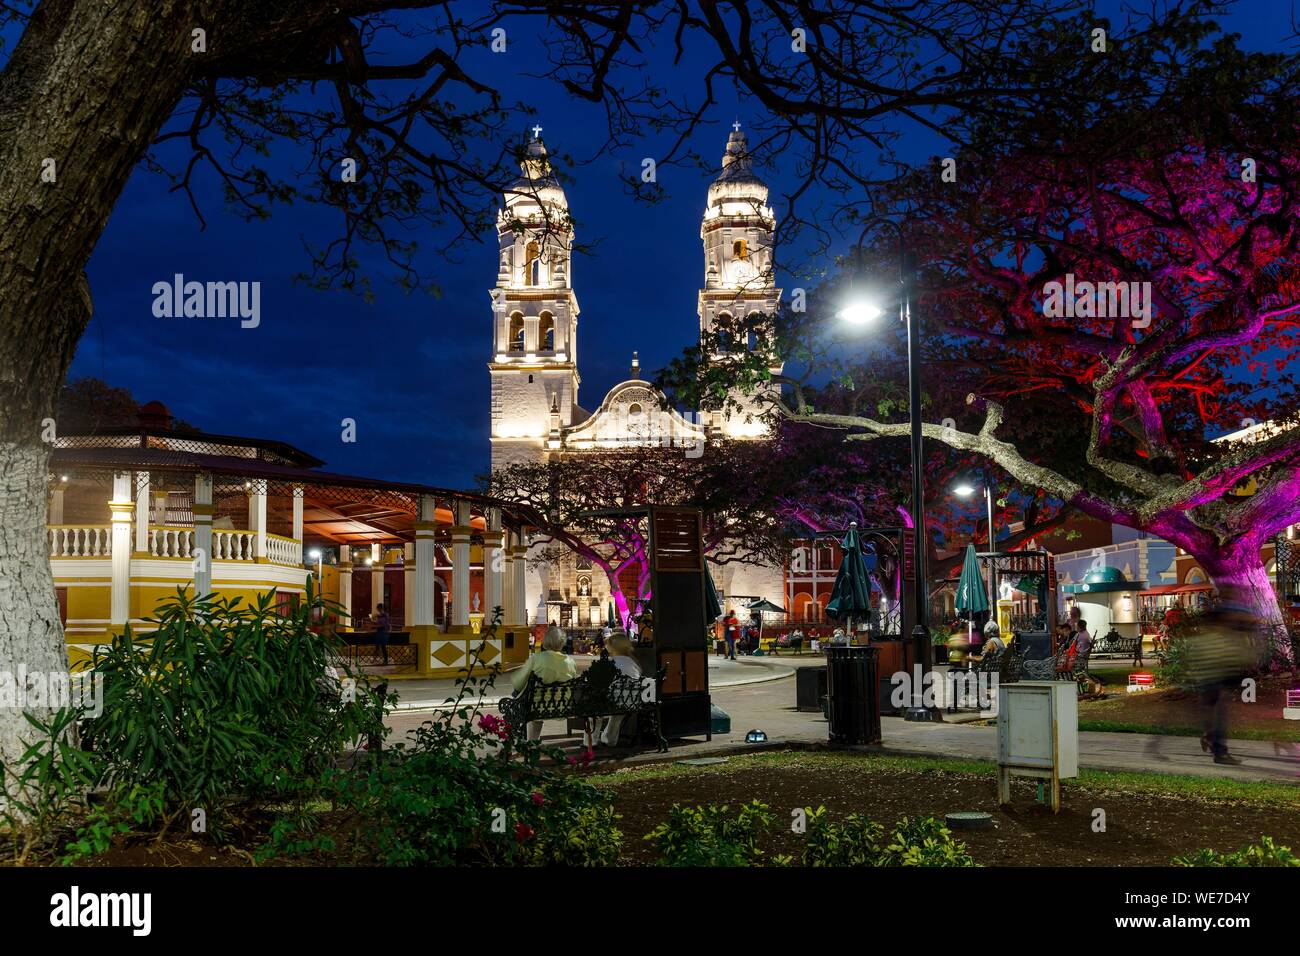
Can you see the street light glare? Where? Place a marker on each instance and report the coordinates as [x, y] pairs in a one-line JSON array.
[[860, 312], [313, 554], [963, 491]]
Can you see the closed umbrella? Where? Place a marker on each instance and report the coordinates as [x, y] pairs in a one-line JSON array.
[[972, 597], [712, 606], [851, 595]]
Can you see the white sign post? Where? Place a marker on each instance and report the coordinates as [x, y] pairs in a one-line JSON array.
[[1038, 735]]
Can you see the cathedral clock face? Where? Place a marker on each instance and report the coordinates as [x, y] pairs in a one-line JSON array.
[[743, 270]]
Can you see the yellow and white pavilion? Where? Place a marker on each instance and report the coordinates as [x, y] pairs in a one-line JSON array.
[[136, 512]]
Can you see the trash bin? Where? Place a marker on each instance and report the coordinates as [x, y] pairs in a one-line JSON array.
[[809, 688], [853, 694]]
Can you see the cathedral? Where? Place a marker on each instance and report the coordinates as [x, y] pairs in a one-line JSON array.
[[534, 370]]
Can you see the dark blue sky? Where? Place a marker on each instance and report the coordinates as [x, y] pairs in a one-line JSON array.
[[411, 369]]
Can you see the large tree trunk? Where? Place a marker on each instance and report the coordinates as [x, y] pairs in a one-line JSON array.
[[88, 86], [1242, 580]]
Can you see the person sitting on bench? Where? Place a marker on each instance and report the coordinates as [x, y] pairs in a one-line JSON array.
[[620, 652], [551, 666]]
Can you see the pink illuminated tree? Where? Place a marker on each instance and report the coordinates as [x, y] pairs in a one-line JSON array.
[[1177, 189]]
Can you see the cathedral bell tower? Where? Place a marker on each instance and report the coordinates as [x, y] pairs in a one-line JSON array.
[[739, 279], [534, 367]]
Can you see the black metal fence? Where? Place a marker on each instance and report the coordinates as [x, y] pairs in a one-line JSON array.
[[372, 655]]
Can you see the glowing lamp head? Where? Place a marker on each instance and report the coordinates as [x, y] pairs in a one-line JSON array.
[[860, 312], [314, 554], [964, 491]]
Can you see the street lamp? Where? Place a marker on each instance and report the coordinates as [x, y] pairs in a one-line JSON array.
[[965, 490], [315, 555], [860, 310]]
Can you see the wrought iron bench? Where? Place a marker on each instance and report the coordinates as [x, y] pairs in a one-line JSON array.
[[785, 642], [601, 691], [1006, 663], [1113, 644], [1060, 667]]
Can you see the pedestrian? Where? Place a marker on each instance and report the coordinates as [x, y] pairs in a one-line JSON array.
[[1221, 649], [732, 633], [382, 626]]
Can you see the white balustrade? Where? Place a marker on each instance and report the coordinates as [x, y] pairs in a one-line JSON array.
[[281, 550], [165, 542], [233, 545], [96, 541], [86, 541]]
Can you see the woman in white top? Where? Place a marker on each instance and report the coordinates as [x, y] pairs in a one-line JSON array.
[[620, 652]]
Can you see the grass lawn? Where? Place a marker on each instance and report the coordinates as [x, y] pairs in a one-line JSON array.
[[1179, 713], [1150, 818]]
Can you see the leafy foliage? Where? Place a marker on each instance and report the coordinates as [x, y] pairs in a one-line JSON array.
[[223, 705], [712, 835], [853, 842], [1263, 853]]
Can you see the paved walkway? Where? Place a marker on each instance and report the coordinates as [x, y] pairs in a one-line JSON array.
[[427, 695], [758, 694]]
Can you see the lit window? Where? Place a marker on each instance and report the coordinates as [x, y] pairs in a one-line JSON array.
[[516, 332], [739, 249], [546, 332], [532, 264]]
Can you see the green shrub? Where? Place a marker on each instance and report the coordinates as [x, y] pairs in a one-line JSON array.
[[711, 835], [222, 705], [853, 842], [924, 841], [1263, 853], [453, 794], [588, 837], [47, 786]]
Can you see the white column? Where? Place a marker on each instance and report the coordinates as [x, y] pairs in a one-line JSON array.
[[142, 512], [460, 533], [408, 582], [121, 506], [425, 556], [345, 583], [257, 517], [519, 581], [493, 562], [376, 578], [297, 513], [202, 535]]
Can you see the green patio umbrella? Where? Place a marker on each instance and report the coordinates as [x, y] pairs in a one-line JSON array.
[[972, 597], [851, 595]]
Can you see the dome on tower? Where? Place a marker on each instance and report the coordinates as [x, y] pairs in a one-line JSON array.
[[738, 191], [536, 186]]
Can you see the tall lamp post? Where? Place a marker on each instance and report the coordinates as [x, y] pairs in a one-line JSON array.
[[861, 311], [965, 491]]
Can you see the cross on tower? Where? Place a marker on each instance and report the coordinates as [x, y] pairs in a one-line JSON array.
[[736, 126], [537, 132]]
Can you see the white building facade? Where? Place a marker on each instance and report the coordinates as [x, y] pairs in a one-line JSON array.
[[534, 368]]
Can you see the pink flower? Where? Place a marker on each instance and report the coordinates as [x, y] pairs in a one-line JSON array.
[[538, 798], [523, 832]]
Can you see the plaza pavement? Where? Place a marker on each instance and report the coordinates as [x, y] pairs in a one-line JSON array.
[[759, 694]]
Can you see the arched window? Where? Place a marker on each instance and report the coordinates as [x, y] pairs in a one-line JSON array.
[[533, 264], [751, 335], [516, 331], [546, 332], [740, 249], [722, 325]]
